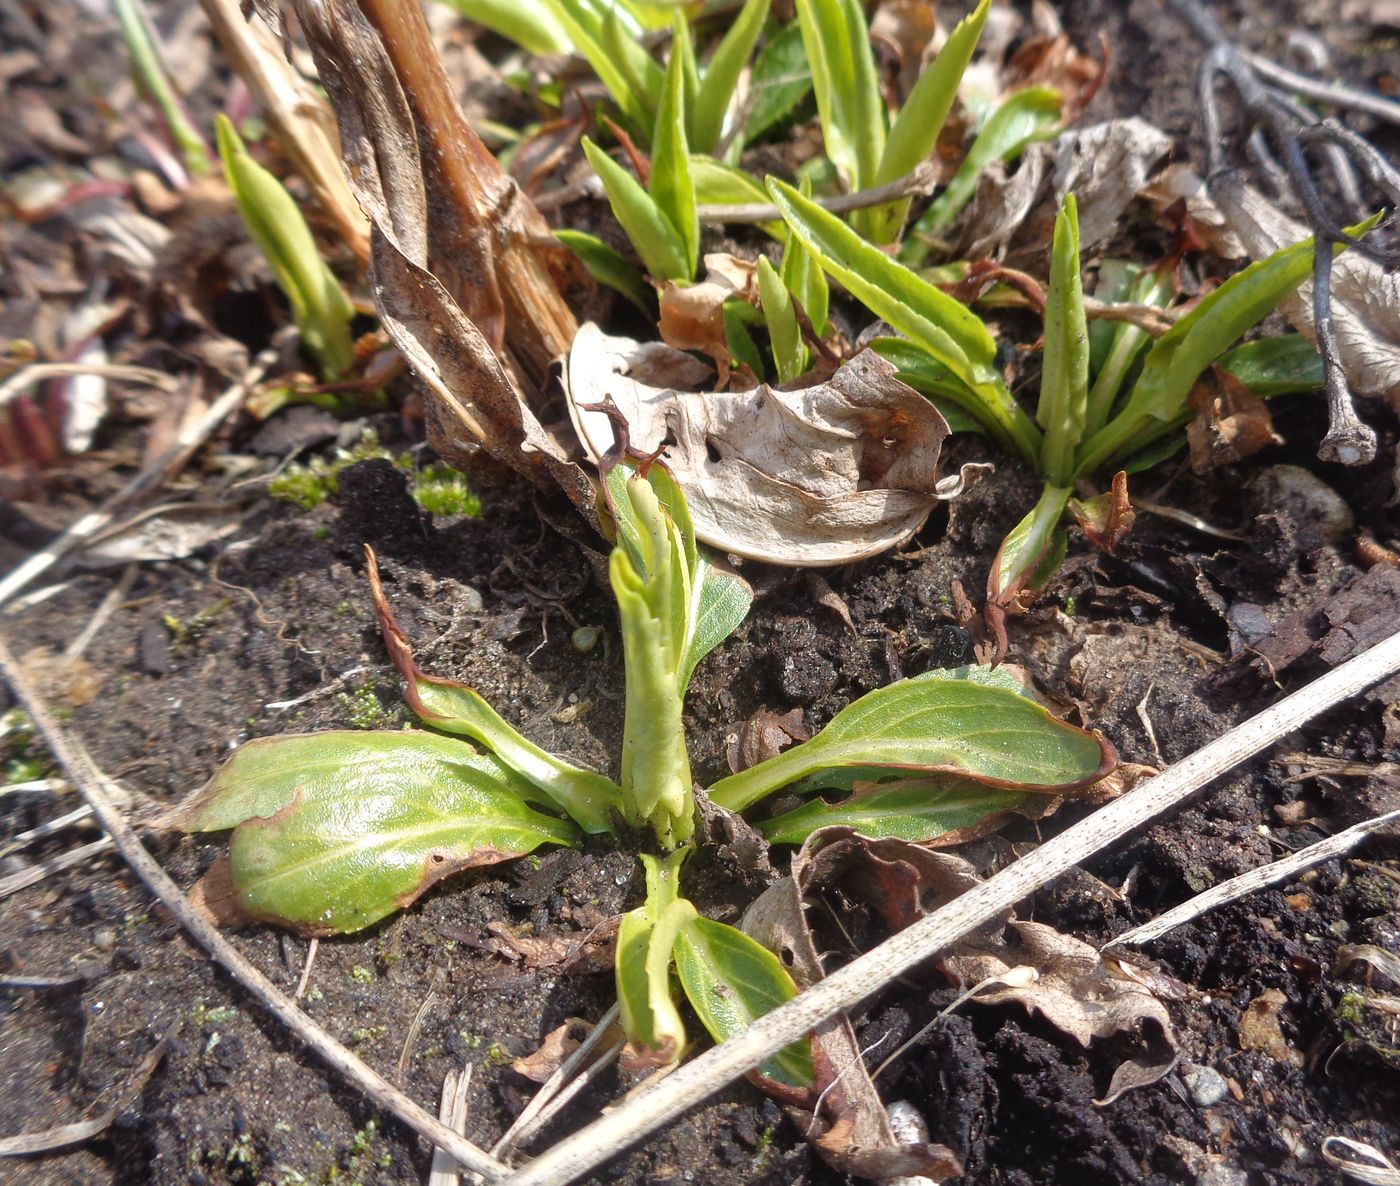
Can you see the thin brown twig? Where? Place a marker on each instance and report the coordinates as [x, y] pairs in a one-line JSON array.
[[91, 784]]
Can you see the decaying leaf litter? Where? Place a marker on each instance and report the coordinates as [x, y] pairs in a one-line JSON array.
[[804, 655]]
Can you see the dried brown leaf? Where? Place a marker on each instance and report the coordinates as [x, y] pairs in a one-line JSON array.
[[1229, 422], [1106, 519], [692, 317], [1260, 1028], [558, 1044], [764, 735], [837, 472], [1077, 991]]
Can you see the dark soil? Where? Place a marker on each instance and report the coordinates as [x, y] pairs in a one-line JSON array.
[[1153, 646]]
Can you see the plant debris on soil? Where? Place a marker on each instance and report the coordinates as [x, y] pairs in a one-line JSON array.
[[242, 615]]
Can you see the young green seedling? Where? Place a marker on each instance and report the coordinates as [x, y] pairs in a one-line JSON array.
[[334, 831], [320, 308]]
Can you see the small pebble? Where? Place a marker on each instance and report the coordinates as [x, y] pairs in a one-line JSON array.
[[584, 639], [104, 939], [1206, 1085]]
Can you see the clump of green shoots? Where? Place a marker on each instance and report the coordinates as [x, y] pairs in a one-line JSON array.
[[333, 831], [149, 67]]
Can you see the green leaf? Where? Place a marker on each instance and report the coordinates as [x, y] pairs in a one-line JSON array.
[[531, 24], [1122, 345], [1032, 550], [1284, 365], [1064, 376], [959, 726], [730, 981], [723, 604], [722, 75], [916, 809], [671, 187], [320, 308], [610, 269], [780, 80], [742, 348], [849, 103], [951, 333], [1025, 116], [645, 940], [718, 184], [1158, 400], [916, 128], [337, 830], [804, 276], [789, 351], [625, 68], [650, 231]]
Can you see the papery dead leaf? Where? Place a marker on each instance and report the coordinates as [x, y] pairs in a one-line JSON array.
[[558, 1044], [1104, 166], [826, 475], [764, 735], [1077, 992], [163, 533], [1261, 1029], [851, 1129], [454, 265], [591, 951], [1229, 423], [692, 317]]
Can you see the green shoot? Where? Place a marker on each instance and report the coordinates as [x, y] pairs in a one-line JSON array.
[[531, 24], [146, 61], [320, 308]]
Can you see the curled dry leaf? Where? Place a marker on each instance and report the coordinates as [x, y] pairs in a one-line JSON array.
[[590, 951], [1104, 166], [1235, 219], [764, 735], [692, 317], [558, 1044], [834, 473], [1229, 422], [1077, 991], [1107, 518], [845, 1120]]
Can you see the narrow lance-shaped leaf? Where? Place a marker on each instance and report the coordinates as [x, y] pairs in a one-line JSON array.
[[1157, 403], [610, 269], [645, 940], [1285, 365], [916, 128], [852, 111], [961, 726], [1064, 376], [531, 24], [671, 186], [590, 799], [585, 29], [1024, 116], [804, 276], [718, 184], [1123, 342], [1030, 553], [650, 231], [953, 335], [730, 981], [789, 352], [320, 308], [337, 830], [706, 119], [945, 809]]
